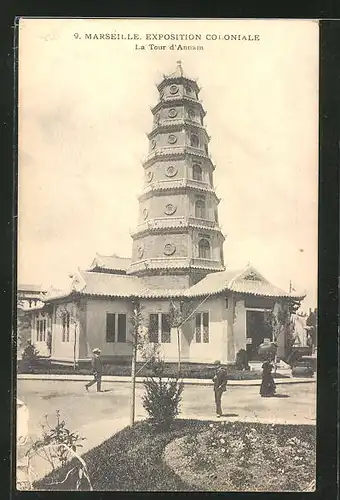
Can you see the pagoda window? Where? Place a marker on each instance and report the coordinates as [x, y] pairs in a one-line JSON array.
[[197, 173], [200, 209], [202, 328], [159, 328], [194, 141], [204, 249]]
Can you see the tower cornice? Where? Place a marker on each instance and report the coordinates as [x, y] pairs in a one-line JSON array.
[[184, 265], [170, 101], [177, 79], [177, 225], [176, 186], [180, 154], [178, 125]]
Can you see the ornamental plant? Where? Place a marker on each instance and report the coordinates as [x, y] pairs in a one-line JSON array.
[[162, 398], [58, 434]]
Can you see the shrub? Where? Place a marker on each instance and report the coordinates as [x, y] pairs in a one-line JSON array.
[[29, 357], [162, 398], [58, 435]]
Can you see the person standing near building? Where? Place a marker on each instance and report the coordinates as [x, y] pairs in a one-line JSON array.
[[97, 369], [220, 380], [268, 387]]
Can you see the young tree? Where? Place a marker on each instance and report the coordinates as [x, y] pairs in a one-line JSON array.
[[178, 314], [71, 315], [140, 342], [175, 319]]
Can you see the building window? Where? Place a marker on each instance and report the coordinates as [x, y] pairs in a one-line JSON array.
[[194, 141], [197, 173], [204, 249], [66, 327], [153, 328], [115, 328], [202, 328], [121, 337], [41, 330], [200, 209], [159, 328]]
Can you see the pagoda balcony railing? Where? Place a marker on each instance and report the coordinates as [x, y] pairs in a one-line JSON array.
[[199, 261], [160, 222], [177, 183], [202, 222], [177, 97], [159, 262], [173, 263], [199, 184], [177, 150], [172, 222]]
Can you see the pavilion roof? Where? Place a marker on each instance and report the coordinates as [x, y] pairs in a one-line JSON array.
[[110, 262], [247, 281]]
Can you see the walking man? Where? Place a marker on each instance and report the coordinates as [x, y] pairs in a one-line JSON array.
[[220, 380], [96, 370]]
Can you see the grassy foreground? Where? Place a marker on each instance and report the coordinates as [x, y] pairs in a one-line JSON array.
[[204, 456]]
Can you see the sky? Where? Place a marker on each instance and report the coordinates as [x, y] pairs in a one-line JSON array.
[[84, 112]]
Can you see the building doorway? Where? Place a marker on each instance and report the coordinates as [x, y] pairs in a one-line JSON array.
[[256, 330]]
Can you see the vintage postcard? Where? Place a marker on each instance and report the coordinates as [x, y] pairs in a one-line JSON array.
[[167, 254]]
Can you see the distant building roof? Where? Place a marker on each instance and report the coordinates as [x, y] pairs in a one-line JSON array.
[[30, 288], [113, 263], [246, 281]]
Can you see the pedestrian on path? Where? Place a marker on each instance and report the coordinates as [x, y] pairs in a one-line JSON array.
[[220, 380], [97, 369], [268, 387]]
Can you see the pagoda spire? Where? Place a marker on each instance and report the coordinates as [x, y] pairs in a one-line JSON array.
[[179, 67]]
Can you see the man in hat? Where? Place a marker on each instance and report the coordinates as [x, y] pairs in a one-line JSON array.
[[220, 380], [97, 369]]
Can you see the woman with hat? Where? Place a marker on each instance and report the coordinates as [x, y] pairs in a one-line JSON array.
[[97, 370]]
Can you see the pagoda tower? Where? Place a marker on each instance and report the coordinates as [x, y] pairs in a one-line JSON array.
[[178, 240]]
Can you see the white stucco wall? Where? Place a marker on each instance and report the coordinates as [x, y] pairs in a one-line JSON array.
[[96, 311]]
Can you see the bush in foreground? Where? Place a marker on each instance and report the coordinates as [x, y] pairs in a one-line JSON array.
[[162, 398]]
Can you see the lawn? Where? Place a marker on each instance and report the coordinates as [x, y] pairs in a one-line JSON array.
[[204, 456]]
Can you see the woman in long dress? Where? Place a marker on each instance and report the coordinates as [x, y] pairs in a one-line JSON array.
[[268, 387]]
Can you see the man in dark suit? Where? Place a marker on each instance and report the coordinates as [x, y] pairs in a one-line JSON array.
[[220, 380], [97, 369]]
